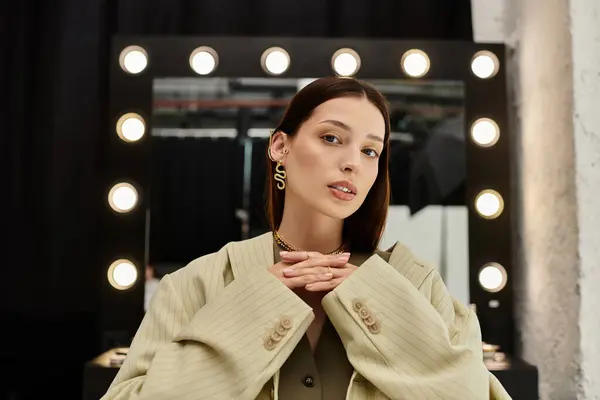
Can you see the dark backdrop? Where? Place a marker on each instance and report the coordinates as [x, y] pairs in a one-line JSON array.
[[184, 170], [53, 72]]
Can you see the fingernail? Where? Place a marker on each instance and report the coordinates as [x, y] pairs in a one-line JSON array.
[[283, 253], [346, 254], [287, 271]]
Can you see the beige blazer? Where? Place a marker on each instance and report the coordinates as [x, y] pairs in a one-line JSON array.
[[221, 328]]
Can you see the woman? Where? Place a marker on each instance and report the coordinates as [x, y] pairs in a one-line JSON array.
[[312, 310]]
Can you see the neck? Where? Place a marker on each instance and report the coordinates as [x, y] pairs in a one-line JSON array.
[[307, 230]]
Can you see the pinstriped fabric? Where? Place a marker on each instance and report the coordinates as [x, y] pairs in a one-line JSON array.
[[251, 253], [427, 348], [203, 335]]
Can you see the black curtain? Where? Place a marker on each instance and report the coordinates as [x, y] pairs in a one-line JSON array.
[[196, 183], [53, 71]]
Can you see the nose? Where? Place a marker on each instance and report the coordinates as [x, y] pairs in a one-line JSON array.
[[351, 161]]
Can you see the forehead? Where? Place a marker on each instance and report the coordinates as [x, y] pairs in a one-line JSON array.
[[357, 112]]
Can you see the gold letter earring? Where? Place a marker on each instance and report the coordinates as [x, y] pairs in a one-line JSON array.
[[280, 176], [280, 173]]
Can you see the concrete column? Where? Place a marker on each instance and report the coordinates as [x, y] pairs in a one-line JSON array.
[[554, 71]]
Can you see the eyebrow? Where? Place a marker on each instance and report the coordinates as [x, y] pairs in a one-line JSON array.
[[345, 127]]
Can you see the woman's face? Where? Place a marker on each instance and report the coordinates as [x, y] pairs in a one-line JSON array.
[[332, 162]]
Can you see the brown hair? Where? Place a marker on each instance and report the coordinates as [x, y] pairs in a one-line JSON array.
[[363, 229]]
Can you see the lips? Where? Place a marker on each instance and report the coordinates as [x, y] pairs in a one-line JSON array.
[[343, 190], [344, 186]]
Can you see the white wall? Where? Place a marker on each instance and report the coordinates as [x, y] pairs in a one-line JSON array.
[[554, 70], [585, 32], [437, 235]]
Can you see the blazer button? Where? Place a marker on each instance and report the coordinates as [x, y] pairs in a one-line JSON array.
[[357, 305], [276, 337], [286, 323], [364, 313], [281, 330], [375, 328], [369, 320], [309, 381], [270, 344]]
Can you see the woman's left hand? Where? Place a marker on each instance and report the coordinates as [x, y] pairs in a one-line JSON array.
[[298, 257]]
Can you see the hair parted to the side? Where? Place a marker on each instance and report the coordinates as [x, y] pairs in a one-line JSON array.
[[363, 229]]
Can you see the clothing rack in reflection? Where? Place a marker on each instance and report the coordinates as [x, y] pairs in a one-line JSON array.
[[246, 139]]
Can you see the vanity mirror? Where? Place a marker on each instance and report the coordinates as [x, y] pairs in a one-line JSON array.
[[190, 123]]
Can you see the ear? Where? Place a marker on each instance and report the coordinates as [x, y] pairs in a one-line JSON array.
[[278, 147]]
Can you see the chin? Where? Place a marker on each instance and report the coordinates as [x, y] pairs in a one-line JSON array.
[[336, 210]]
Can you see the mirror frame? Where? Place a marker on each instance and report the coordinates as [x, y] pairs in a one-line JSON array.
[[124, 235]]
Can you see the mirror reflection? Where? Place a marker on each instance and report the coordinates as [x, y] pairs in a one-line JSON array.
[[208, 164]]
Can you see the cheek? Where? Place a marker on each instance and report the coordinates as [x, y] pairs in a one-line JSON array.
[[306, 166], [309, 158], [372, 172], [369, 178]]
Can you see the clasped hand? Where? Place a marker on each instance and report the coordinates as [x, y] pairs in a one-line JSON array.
[[312, 270]]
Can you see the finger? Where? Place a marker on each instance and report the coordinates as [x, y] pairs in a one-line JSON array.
[[291, 272], [321, 261], [323, 285], [296, 256], [301, 281]]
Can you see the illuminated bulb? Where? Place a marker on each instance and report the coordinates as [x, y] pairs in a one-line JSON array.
[[133, 59], [275, 61], [415, 63], [131, 127], [345, 62], [492, 277], [122, 197], [489, 204], [204, 60], [485, 64], [485, 132], [122, 274]]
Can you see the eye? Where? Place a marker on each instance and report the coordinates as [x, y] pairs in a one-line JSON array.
[[371, 153], [331, 139]]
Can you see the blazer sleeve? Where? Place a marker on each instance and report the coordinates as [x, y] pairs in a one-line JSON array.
[[409, 342], [229, 348]]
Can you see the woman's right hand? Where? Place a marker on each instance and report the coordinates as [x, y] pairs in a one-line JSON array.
[[314, 269]]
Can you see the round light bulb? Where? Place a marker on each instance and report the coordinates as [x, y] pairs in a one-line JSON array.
[[485, 64], [493, 277], [131, 127], [489, 204], [415, 63], [122, 197], [133, 59], [345, 62], [122, 274], [275, 60], [204, 60], [485, 132]]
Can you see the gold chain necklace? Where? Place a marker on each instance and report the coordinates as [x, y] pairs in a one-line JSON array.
[[288, 247]]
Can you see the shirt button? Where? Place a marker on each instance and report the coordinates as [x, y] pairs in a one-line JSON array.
[[309, 381]]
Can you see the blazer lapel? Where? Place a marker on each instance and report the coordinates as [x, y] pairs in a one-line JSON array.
[[250, 254]]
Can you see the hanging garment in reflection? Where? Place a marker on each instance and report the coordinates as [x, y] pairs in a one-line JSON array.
[[439, 169]]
